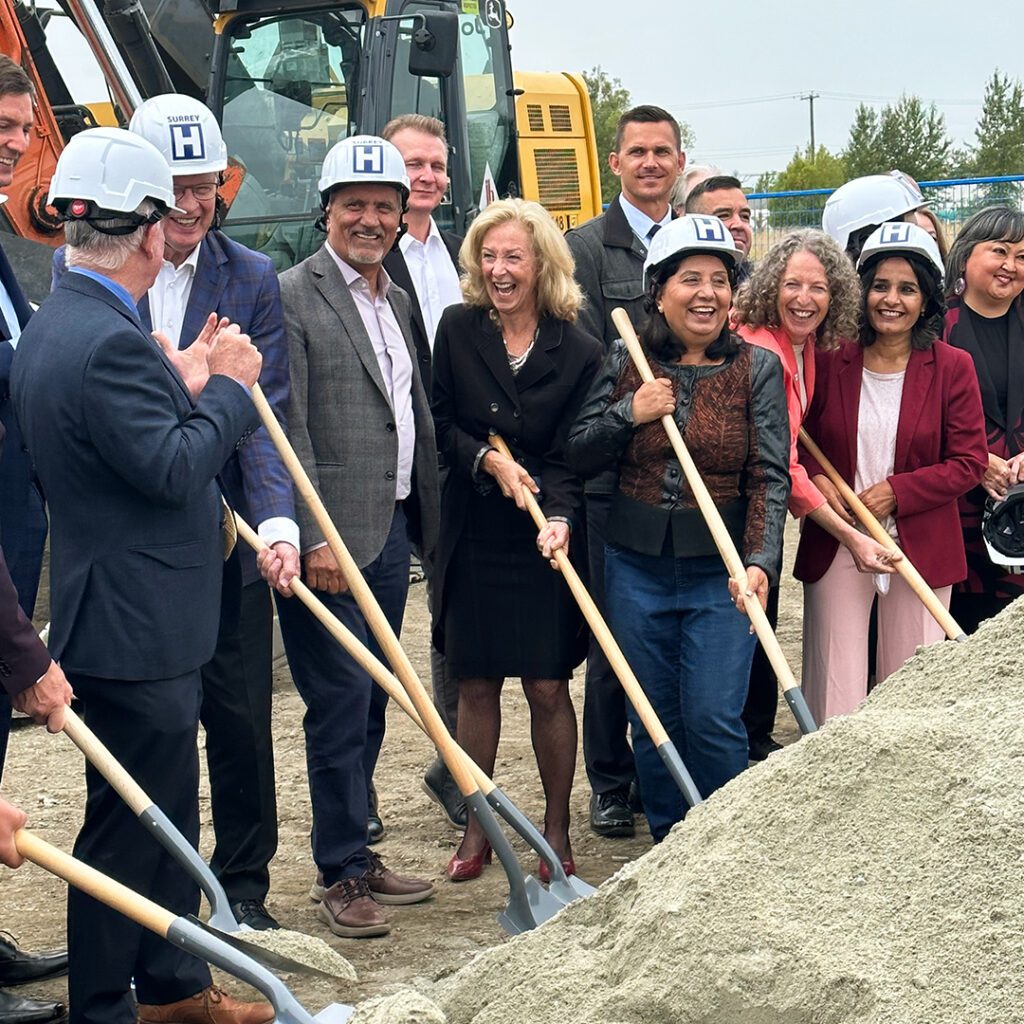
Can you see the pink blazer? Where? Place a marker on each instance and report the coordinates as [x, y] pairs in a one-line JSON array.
[[941, 453], [804, 496]]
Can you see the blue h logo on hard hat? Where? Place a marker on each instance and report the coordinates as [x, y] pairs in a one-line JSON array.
[[708, 229], [368, 158], [895, 233], [187, 142]]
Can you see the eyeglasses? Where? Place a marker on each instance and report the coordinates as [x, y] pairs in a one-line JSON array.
[[203, 193]]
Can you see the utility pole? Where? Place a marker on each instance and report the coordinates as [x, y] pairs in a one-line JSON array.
[[811, 97]]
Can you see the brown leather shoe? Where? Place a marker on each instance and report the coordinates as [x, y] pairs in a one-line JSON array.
[[211, 1006], [349, 910], [389, 888]]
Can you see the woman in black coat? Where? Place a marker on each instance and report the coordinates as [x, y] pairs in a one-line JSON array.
[[511, 361]]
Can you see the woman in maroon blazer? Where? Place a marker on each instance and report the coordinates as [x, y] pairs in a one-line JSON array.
[[901, 419]]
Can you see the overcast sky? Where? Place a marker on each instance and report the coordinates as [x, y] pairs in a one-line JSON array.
[[734, 70]]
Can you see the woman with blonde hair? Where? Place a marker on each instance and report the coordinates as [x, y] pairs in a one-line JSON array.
[[511, 361]]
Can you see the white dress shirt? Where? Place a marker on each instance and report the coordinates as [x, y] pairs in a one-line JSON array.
[[640, 222], [7, 308], [393, 358], [169, 294], [434, 276]]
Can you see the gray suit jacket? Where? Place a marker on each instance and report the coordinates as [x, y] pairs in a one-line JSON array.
[[340, 419]]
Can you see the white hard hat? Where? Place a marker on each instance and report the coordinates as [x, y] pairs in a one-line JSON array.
[[363, 160], [184, 130], [1002, 529], [867, 202], [110, 171], [691, 233], [901, 238]]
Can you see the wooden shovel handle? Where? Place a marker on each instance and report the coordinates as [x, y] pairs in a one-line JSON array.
[[726, 548], [105, 763], [904, 567], [372, 612], [122, 899], [602, 634]]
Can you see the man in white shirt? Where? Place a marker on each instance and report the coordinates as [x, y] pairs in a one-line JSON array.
[[426, 264], [360, 424]]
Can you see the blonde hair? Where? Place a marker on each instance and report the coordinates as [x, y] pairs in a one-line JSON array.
[[558, 294]]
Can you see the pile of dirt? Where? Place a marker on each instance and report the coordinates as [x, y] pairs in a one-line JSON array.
[[873, 872]]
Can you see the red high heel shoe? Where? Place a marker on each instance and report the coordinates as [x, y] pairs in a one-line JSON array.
[[462, 870], [544, 872]]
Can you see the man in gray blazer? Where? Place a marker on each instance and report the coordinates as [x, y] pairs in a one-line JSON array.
[[359, 420]]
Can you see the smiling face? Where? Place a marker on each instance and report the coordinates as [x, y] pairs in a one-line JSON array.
[[994, 275], [647, 163], [695, 300], [15, 132], [426, 163], [362, 222], [509, 266], [895, 300], [804, 296], [731, 207], [184, 231]]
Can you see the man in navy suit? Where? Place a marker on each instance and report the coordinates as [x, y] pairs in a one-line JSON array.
[[128, 450], [202, 271]]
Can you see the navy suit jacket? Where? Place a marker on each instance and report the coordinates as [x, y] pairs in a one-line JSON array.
[[241, 284], [22, 515], [129, 464]]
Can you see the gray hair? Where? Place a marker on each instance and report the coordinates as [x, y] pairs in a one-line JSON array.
[[692, 176], [92, 249], [992, 224]]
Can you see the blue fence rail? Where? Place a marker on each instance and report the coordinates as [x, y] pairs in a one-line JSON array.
[[953, 201]]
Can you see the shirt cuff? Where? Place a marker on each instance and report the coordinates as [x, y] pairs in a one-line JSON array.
[[561, 519], [314, 547], [279, 528]]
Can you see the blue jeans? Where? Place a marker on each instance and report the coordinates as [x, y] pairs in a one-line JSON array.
[[691, 651]]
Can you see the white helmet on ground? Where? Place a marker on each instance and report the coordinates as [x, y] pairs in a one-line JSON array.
[[867, 202], [363, 160], [184, 130], [690, 234], [900, 238], [1002, 528], [106, 173]]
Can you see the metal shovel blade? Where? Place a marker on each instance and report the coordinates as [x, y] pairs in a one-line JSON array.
[[336, 1013], [531, 906]]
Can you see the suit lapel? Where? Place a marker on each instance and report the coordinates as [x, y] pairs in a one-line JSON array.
[[398, 271], [332, 287], [849, 398], [492, 350], [211, 278], [916, 385], [17, 297]]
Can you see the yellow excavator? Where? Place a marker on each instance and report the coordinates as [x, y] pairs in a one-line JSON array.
[[289, 79]]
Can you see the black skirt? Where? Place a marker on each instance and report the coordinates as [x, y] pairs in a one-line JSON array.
[[506, 611]]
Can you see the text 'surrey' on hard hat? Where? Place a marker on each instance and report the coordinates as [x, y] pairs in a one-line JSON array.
[[184, 130], [363, 160]]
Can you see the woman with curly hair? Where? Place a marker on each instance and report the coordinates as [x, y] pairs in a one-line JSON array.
[[511, 361], [803, 296], [900, 418]]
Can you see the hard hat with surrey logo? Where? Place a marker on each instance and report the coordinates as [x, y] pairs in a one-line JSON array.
[[689, 235], [900, 238], [363, 160], [184, 130]]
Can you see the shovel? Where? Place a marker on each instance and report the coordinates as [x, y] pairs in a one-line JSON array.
[[904, 567], [565, 887], [184, 932], [529, 903], [726, 548], [659, 737]]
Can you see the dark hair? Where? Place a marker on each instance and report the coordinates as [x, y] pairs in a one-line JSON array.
[[929, 323], [655, 333], [992, 224], [718, 183], [646, 114], [14, 81]]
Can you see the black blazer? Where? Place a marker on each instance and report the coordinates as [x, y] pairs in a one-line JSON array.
[[398, 271], [474, 393], [23, 658], [129, 464]]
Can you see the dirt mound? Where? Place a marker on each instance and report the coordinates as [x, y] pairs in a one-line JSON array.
[[871, 873]]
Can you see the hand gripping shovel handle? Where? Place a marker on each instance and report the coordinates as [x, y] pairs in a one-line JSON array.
[[724, 543], [634, 691], [152, 818], [521, 911], [178, 930], [904, 567]]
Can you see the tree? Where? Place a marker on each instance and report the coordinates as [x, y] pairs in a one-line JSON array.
[[1000, 131], [860, 154], [609, 100], [824, 170]]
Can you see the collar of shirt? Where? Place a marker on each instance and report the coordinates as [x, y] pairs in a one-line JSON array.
[[187, 265], [640, 222], [353, 277], [407, 241], [118, 290]]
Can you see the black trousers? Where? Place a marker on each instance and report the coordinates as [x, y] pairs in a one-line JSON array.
[[236, 714], [606, 750], [763, 695], [151, 728]]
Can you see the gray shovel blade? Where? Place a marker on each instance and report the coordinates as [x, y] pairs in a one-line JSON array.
[[266, 957], [540, 906], [336, 1013]]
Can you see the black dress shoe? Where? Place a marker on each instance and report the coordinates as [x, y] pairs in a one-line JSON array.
[[254, 913], [18, 967], [439, 785], [374, 826], [761, 747], [15, 1010], [610, 815]]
